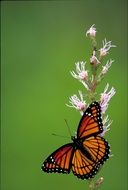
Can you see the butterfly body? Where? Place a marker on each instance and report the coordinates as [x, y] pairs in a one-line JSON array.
[[78, 144], [88, 149]]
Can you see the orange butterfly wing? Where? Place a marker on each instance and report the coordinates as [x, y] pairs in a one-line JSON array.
[[85, 159], [82, 167], [60, 160], [86, 168], [91, 122], [98, 148]]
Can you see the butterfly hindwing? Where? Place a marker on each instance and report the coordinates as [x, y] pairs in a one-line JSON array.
[[91, 121], [98, 148], [84, 167], [60, 160]]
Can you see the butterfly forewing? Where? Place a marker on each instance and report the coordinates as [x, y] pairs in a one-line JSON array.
[[91, 122], [60, 160]]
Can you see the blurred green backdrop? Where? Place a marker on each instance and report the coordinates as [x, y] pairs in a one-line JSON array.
[[41, 41]]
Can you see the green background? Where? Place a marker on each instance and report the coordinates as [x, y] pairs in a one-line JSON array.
[[41, 41]]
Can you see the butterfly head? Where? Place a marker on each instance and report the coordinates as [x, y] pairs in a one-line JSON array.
[[77, 142], [73, 138]]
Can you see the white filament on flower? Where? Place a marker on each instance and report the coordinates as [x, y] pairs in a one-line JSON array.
[[107, 66], [94, 60], [92, 31], [81, 74], [77, 103], [106, 125], [105, 97], [106, 47]]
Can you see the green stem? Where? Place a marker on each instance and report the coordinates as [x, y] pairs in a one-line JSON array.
[[94, 185], [94, 68]]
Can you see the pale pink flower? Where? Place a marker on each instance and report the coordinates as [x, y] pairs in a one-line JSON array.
[[92, 31], [107, 66], [94, 60], [106, 47], [105, 98], [81, 74], [77, 103], [106, 125]]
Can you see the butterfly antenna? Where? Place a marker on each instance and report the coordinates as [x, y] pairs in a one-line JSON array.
[[68, 128], [59, 135]]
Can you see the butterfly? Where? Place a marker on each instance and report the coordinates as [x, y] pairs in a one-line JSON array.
[[88, 150]]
